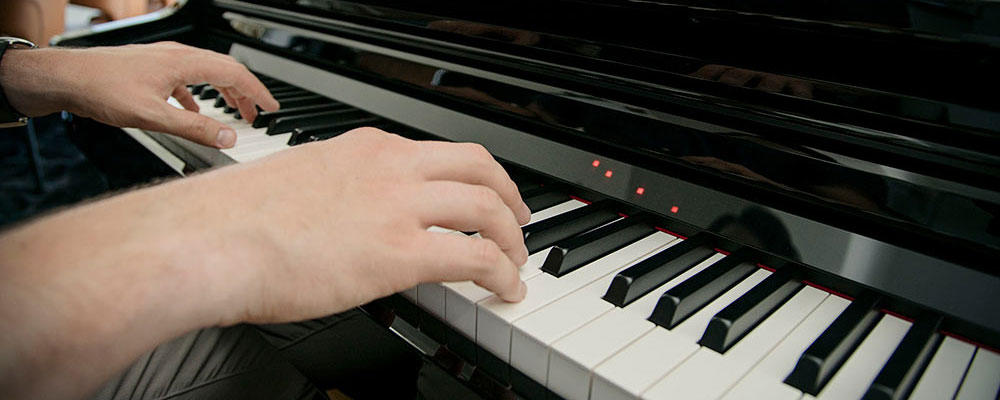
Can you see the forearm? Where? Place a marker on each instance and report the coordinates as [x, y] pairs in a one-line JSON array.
[[86, 291]]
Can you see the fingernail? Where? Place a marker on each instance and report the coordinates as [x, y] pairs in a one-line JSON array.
[[226, 138]]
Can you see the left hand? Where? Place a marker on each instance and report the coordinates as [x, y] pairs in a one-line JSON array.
[[127, 86]]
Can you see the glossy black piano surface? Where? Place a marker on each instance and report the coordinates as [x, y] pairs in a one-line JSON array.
[[859, 140]]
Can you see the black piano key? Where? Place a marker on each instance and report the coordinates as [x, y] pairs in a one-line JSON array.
[[267, 80], [827, 354], [641, 278], [570, 254], [526, 185], [544, 199], [732, 323], [229, 110], [545, 233], [219, 102], [685, 299], [264, 118], [329, 118], [534, 190], [197, 88], [208, 93], [324, 132], [899, 375], [237, 115], [305, 100], [289, 91]]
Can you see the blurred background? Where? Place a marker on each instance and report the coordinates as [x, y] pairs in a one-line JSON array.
[[40, 20]]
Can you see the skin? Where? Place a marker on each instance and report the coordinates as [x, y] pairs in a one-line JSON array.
[[311, 231]]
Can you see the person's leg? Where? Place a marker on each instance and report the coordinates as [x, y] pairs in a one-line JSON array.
[[35, 20], [214, 363]]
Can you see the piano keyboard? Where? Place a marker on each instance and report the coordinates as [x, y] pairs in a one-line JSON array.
[[619, 309]]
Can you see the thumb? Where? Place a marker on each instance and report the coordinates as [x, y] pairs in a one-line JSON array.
[[195, 127]]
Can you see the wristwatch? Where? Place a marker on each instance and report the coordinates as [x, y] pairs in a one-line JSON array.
[[9, 117]]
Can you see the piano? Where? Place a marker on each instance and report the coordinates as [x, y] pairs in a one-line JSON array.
[[731, 199]]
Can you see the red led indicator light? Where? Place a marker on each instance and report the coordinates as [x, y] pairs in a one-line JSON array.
[[640, 191], [674, 209], [607, 174], [596, 163]]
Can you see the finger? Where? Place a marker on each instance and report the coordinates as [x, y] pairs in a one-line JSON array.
[[247, 109], [184, 97], [243, 104], [227, 95], [190, 125], [466, 207], [223, 71], [452, 257], [472, 163]]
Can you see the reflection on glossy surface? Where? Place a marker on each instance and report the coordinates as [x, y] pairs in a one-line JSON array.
[[794, 169], [911, 60]]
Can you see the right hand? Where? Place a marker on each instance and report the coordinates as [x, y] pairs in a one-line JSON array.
[[342, 222]]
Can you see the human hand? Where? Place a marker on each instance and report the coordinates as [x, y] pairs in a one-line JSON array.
[[339, 223], [127, 86]]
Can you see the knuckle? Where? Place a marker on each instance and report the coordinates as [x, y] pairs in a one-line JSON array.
[[199, 127], [366, 133], [478, 152], [485, 255], [484, 199]]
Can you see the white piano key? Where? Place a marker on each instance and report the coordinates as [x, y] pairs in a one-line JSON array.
[[780, 361], [643, 307], [430, 296], [574, 356], [945, 371], [438, 229], [768, 376], [266, 143], [860, 369], [725, 370], [690, 379], [530, 352], [495, 316], [627, 374], [533, 334], [264, 152], [557, 209], [983, 378], [756, 389], [412, 293], [246, 137], [772, 330], [695, 325], [461, 297]]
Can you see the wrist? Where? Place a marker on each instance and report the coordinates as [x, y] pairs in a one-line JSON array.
[[32, 82], [219, 246]]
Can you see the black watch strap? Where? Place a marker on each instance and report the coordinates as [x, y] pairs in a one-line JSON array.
[[8, 115]]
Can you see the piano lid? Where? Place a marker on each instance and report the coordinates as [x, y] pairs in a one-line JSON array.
[[914, 163], [865, 82]]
